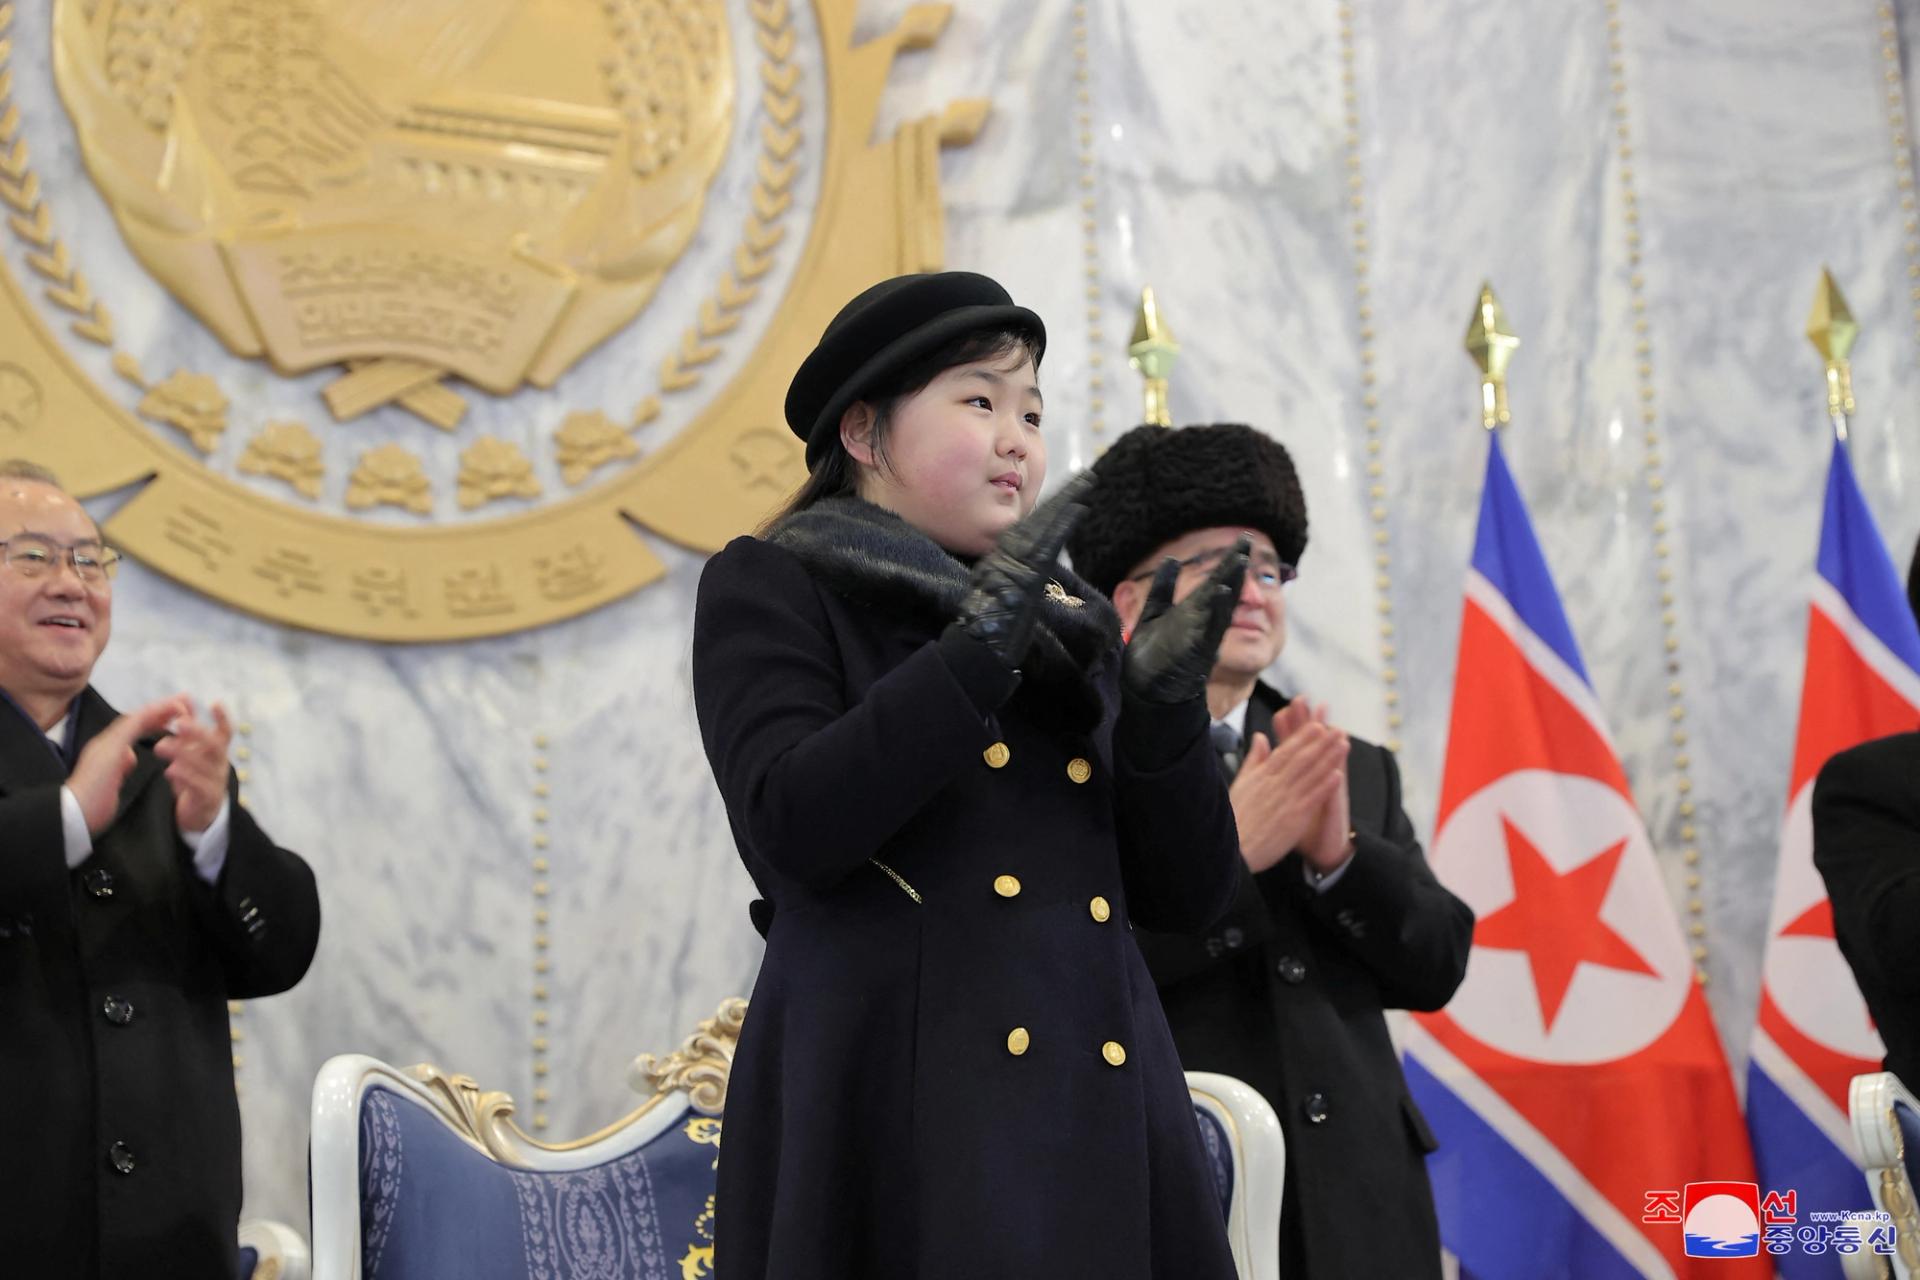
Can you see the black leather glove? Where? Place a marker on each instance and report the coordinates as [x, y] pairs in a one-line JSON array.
[[1003, 602], [1173, 647]]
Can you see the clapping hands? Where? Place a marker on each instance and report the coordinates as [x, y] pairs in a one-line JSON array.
[[1172, 650], [195, 753], [1291, 792], [1002, 603], [196, 756]]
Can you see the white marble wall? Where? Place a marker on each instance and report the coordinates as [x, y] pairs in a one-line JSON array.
[[1220, 164]]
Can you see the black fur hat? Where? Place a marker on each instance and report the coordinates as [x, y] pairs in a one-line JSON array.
[[1157, 483], [890, 325]]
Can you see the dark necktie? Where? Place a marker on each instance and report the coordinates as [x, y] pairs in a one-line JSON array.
[[1227, 744]]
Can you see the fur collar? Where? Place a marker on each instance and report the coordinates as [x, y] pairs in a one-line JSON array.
[[873, 557]]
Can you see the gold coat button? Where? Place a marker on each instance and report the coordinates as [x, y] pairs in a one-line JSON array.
[[1079, 770], [997, 755], [1100, 910], [1017, 1041], [1113, 1053], [1006, 886]]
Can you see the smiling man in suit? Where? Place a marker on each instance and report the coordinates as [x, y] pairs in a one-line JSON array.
[[1337, 917], [137, 897], [1866, 843]]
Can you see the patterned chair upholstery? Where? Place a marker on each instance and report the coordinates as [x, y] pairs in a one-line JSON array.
[[418, 1174], [272, 1250], [1248, 1157], [1886, 1128]]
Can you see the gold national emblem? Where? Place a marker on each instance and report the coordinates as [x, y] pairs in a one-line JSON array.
[[406, 192], [422, 306]]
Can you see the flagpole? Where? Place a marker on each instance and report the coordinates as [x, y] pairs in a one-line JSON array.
[[1831, 328], [1491, 344], [1152, 354]]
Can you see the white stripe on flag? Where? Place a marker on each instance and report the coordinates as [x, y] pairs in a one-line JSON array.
[[1551, 666], [1872, 650], [1538, 1150], [1800, 1089]]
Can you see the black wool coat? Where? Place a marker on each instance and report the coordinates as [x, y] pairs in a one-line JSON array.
[[122, 1133], [1866, 844], [1286, 991], [954, 1065]]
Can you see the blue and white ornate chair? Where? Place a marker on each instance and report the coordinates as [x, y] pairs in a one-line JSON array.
[[272, 1250], [1886, 1128], [419, 1175], [1248, 1156]]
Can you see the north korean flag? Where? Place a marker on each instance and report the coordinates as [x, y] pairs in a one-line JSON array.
[[1862, 681], [1577, 1070]]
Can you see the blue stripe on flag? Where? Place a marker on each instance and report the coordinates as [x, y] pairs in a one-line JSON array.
[[1508, 555], [1854, 559], [1498, 1214], [1791, 1154]]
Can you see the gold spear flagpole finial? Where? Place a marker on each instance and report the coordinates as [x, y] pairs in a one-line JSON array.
[[1152, 353], [1491, 344], [1831, 328]]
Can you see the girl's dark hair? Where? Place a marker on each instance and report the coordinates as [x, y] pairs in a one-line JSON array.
[[836, 473]]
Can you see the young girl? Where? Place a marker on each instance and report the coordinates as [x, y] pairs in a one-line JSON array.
[[955, 798]]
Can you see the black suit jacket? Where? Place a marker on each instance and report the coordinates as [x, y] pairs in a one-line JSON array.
[[1286, 991], [121, 1131], [1866, 843]]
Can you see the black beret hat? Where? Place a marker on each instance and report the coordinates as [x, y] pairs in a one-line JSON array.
[[891, 325], [1157, 483]]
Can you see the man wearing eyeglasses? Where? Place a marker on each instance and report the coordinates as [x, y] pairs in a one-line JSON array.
[[137, 897], [1338, 917]]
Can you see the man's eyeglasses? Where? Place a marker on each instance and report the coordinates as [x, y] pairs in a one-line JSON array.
[[32, 556], [1269, 571]]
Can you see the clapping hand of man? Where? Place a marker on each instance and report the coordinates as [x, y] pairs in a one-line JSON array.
[[104, 761], [1328, 842], [1286, 786], [196, 756]]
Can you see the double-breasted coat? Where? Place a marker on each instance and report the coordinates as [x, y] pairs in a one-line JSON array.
[[1286, 991], [121, 1131], [1866, 844], [954, 1063]]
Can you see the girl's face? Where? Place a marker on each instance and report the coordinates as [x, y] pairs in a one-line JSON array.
[[965, 458]]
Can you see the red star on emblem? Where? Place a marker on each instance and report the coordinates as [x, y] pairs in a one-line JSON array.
[[1555, 918]]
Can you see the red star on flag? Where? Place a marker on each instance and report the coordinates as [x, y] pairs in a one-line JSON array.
[[1555, 919], [1815, 922]]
